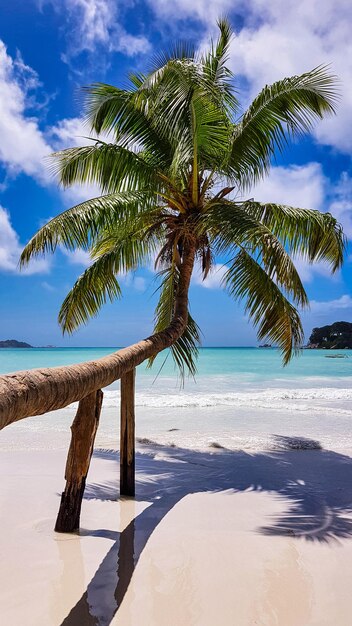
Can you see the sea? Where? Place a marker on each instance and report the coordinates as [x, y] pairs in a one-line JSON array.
[[241, 398]]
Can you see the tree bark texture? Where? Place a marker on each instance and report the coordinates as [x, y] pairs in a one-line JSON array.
[[34, 392], [84, 428], [127, 435]]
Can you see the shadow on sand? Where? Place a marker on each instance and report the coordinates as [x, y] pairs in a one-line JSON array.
[[317, 484]]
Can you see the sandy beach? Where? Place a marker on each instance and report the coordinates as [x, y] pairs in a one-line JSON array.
[[212, 537], [176, 288]]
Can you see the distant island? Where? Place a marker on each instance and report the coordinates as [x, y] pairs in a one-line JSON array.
[[13, 343], [338, 335]]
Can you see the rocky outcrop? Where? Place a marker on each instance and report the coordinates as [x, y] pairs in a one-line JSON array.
[[13, 343], [336, 336]]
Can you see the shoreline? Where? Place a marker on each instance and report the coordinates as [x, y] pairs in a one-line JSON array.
[[233, 427], [265, 535]]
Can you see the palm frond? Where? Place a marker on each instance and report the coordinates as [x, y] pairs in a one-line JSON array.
[[211, 131], [112, 167], [113, 255], [126, 246], [125, 115], [80, 225], [90, 292], [273, 315], [181, 90], [185, 350], [284, 109], [231, 227], [180, 52], [307, 233], [215, 66]]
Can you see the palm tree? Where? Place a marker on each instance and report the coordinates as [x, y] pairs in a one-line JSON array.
[[174, 172]]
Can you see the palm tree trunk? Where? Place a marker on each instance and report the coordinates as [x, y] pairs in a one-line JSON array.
[[34, 392], [38, 391]]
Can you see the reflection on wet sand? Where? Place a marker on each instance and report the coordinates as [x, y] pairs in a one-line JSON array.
[[286, 594]]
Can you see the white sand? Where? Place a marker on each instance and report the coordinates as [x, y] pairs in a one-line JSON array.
[[218, 539]]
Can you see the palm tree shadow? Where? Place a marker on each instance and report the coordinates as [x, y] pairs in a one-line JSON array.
[[317, 484]]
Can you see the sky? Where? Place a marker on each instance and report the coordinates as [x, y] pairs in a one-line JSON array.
[[49, 49]]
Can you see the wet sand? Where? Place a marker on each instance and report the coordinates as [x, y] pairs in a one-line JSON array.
[[212, 537]]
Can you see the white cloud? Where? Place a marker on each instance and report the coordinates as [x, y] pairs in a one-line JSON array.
[[131, 281], [93, 24], [23, 145], [182, 9], [69, 132], [79, 193], [309, 271], [10, 250], [93, 17], [330, 306], [296, 185], [74, 131], [77, 257], [214, 278], [130, 45], [341, 203]]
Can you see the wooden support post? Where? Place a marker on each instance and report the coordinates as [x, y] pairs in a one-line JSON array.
[[84, 428], [127, 443]]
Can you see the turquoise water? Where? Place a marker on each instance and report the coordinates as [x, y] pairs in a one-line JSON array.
[[255, 363], [241, 397]]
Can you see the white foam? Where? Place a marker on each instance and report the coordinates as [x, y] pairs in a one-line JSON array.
[[313, 399]]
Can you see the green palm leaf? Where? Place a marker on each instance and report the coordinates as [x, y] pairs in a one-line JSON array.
[[274, 316], [232, 227], [113, 256], [185, 350], [313, 235], [216, 70], [112, 167], [124, 114], [90, 292], [284, 109], [83, 223]]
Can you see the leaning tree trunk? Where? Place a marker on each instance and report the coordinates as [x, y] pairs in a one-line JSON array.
[[39, 391]]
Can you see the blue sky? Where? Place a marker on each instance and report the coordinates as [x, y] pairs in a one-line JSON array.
[[50, 48]]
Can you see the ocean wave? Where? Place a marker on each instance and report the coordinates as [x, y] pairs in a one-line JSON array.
[[314, 399]]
